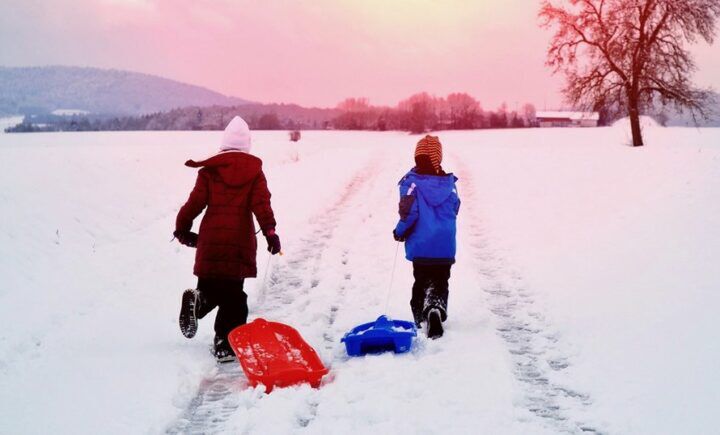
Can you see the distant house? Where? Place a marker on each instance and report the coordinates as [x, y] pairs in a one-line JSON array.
[[567, 119]]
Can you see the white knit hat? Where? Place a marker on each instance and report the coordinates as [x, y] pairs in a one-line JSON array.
[[236, 136]]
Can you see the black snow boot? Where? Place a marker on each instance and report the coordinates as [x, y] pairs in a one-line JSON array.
[[188, 312], [222, 350], [434, 324], [418, 317]]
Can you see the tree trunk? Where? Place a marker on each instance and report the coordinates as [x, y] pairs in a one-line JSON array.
[[635, 119], [635, 127]]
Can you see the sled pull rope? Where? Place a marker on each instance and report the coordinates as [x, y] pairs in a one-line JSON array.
[[261, 298], [392, 277]]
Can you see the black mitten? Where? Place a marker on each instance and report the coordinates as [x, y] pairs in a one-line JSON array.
[[187, 238], [273, 241]]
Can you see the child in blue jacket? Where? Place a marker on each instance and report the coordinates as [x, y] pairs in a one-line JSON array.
[[429, 205]]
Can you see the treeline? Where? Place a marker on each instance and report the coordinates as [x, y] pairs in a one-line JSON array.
[[419, 113], [258, 117], [424, 112]]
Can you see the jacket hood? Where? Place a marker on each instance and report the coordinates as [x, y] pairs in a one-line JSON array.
[[435, 189], [236, 136], [234, 167]]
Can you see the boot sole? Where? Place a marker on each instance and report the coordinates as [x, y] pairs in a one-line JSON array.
[[226, 359], [188, 317]]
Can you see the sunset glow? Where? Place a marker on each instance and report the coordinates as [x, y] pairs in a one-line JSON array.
[[312, 53]]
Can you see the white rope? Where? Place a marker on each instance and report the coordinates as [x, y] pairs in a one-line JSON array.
[[392, 278], [261, 297]]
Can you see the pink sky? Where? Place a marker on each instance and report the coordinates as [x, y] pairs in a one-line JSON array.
[[313, 52]]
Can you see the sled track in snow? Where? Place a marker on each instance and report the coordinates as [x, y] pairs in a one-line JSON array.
[[534, 346], [290, 294], [214, 403], [287, 291]]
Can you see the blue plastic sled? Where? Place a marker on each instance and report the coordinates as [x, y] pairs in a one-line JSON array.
[[382, 335]]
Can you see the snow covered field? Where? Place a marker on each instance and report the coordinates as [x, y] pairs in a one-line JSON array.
[[584, 299]]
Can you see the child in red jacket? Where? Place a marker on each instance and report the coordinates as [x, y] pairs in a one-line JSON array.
[[232, 186]]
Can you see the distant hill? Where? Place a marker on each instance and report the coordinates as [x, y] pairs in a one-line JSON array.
[[98, 91]]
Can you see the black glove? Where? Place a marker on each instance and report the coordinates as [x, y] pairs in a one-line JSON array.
[[187, 238], [273, 241], [398, 238]]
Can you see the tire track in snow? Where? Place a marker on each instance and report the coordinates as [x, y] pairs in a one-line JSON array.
[[534, 346], [293, 295], [291, 283], [215, 401], [288, 292], [330, 276]]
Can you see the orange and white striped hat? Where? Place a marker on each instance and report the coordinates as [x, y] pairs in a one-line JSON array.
[[430, 146]]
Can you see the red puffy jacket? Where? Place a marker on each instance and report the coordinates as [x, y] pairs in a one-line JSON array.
[[233, 187]]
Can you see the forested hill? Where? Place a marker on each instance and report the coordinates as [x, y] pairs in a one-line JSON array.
[[35, 90]]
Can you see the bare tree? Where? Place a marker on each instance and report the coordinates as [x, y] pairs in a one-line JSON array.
[[627, 55], [356, 114], [530, 115], [420, 110], [354, 105], [463, 110]]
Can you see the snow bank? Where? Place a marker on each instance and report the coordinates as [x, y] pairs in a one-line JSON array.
[[620, 132], [645, 122]]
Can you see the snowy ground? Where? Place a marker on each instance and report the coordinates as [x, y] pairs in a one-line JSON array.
[[584, 298]]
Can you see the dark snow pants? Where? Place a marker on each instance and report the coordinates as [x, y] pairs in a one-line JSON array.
[[229, 298], [430, 290]]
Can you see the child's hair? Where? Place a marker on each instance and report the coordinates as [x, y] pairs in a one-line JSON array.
[[424, 166]]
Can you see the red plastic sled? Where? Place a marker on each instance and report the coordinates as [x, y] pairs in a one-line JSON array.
[[275, 355]]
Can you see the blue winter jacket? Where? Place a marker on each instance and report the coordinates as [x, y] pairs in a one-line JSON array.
[[429, 205]]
